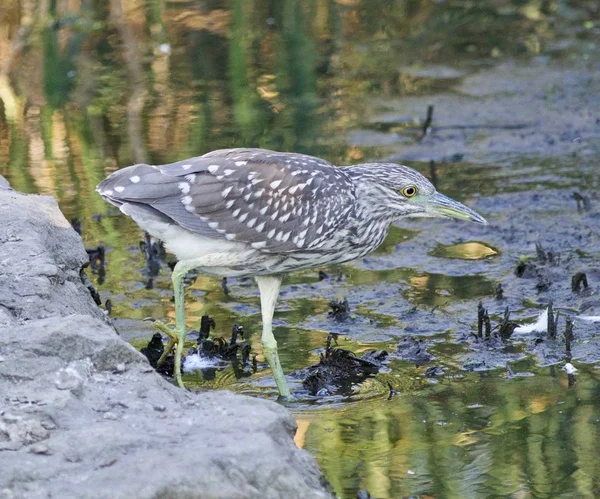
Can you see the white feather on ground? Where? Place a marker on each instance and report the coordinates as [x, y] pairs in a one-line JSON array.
[[539, 326], [589, 318], [195, 362]]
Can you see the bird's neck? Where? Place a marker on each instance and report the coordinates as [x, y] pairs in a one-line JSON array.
[[373, 218]]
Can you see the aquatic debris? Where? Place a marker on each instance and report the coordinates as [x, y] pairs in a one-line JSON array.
[[339, 370], [153, 352], [506, 328], [218, 347], [224, 286], [433, 371], [340, 310], [483, 319], [433, 173], [153, 251], [152, 248], [210, 352], [97, 260], [577, 280], [413, 350], [583, 202], [568, 337], [206, 324], [569, 368], [392, 391], [551, 326], [88, 284], [76, 224], [426, 129]]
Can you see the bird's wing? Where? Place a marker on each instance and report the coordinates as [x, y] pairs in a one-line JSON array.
[[277, 202]]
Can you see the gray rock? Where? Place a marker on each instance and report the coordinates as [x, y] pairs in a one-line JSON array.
[[81, 413]]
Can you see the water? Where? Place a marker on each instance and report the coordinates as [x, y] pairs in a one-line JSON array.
[[102, 85]]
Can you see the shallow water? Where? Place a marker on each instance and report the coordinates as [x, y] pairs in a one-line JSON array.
[[106, 84]]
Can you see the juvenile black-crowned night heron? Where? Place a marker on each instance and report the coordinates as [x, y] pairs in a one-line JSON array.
[[260, 213]]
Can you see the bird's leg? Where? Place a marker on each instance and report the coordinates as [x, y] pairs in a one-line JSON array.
[[177, 336], [269, 291], [179, 272]]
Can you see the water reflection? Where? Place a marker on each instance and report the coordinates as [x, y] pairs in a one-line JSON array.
[[472, 250], [479, 436]]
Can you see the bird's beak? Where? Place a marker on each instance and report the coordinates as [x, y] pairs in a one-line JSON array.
[[442, 206]]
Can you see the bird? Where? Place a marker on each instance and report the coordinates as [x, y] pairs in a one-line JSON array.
[[248, 212]]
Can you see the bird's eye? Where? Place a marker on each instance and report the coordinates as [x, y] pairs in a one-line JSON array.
[[409, 191]]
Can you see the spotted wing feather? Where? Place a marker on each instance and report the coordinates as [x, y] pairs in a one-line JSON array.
[[277, 202]]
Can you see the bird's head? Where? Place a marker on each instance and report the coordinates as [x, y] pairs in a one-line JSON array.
[[404, 192]]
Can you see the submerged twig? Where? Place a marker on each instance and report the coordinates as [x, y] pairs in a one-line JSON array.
[[568, 337], [426, 129], [551, 329], [583, 202], [577, 280]]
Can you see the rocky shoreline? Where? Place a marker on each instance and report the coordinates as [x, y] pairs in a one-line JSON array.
[[82, 413]]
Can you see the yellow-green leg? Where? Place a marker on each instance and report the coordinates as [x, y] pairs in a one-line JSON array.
[[269, 292], [177, 336]]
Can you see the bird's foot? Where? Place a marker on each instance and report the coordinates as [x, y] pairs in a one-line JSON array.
[[176, 339], [163, 328]]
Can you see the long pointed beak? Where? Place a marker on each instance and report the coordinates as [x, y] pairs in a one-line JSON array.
[[442, 206]]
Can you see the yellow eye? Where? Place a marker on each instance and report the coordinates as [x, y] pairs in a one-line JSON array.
[[409, 191]]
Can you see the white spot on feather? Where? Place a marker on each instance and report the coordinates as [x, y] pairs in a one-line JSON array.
[[259, 245], [243, 217], [229, 204], [226, 191], [184, 187], [213, 168], [275, 184], [251, 222], [191, 177], [271, 233], [236, 212], [119, 188], [240, 163], [186, 199], [108, 192], [262, 211], [187, 166], [260, 227], [213, 225], [135, 179], [228, 172]]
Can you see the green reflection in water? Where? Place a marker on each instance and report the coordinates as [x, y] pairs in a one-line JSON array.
[[465, 251], [480, 436]]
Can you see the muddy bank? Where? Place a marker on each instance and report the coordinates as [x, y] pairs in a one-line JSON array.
[[82, 412]]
